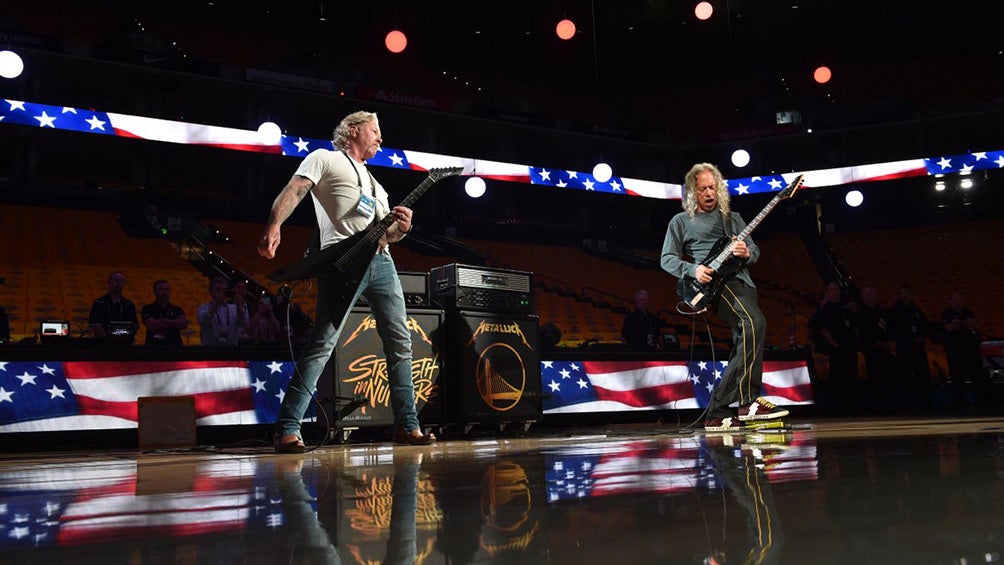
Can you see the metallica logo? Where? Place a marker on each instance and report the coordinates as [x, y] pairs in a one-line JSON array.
[[369, 323], [489, 327]]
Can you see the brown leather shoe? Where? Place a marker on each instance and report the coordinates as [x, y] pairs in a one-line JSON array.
[[414, 437], [289, 444]]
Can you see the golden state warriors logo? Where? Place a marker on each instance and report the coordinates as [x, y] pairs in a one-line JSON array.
[[506, 508], [500, 377]]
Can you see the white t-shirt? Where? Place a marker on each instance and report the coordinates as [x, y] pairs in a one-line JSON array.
[[339, 182]]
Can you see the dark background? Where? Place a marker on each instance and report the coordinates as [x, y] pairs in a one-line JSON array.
[[643, 85]]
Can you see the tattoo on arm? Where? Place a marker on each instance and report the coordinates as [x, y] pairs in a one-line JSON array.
[[292, 194]]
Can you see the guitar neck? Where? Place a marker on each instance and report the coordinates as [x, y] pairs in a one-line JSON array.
[[381, 227], [727, 252]]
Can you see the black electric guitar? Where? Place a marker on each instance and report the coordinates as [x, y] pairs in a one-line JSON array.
[[721, 260], [346, 261]]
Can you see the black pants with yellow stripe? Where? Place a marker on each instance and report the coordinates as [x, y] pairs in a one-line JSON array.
[[737, 307]]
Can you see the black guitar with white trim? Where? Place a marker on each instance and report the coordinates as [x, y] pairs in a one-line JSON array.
[[721, 260]]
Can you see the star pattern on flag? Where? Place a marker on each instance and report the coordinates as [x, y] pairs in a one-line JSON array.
[[964, 164], [268, 386], [46, 120], [95, 123], [567, 383], [705, 375], [388, 157], [55, 117], [33, 391], [91, 121], [34, 394], [573, 179], [753, 185], [50, 505], [27, 378], [570, 476]]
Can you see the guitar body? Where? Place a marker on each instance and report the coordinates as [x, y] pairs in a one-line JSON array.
[[339, 260], [341, 266], [698, 295]]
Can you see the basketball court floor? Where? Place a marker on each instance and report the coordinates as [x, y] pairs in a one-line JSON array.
[[906, 490]]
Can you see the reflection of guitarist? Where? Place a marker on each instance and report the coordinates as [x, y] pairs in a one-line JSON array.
[[347, 200], [706, 219]]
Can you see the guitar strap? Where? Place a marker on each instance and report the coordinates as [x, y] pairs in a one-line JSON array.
[[359, 179], [315, 240], [727, 224]]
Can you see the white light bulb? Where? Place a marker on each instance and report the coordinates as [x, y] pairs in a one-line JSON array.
[[270, 133], [854, 198], [740, 158], [602, 172], [475, 187], [11, 64]]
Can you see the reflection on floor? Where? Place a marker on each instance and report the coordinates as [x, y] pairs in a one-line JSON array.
[[847, 491]]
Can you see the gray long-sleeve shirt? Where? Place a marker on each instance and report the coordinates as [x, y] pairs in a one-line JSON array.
[[689, 240]]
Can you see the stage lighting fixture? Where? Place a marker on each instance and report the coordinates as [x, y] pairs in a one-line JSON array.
[[854, 198], [270, 133], [740, 158], [396, 41], [475, 187], [11, 64], [602, 172], [565, 29], [704, 10]]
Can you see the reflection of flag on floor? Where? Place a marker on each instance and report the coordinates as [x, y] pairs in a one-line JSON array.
[[54, 396], [604, 469], [91, 503], [675, 465], [611, 386]]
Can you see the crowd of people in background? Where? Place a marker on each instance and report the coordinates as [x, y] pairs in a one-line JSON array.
[[895, 345], [231, 317]]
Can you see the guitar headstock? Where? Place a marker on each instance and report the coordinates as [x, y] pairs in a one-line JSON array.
[[443, 172], [792, 187]]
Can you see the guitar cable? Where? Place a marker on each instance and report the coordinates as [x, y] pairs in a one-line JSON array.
[[691, 311], [353, 403], [693, 335]]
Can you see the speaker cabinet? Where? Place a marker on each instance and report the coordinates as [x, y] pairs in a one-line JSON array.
[[360, 369], [493, 367], [415, 286]]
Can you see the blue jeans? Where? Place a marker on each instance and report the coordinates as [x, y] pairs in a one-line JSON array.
[[401, 543], [382, 288]]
